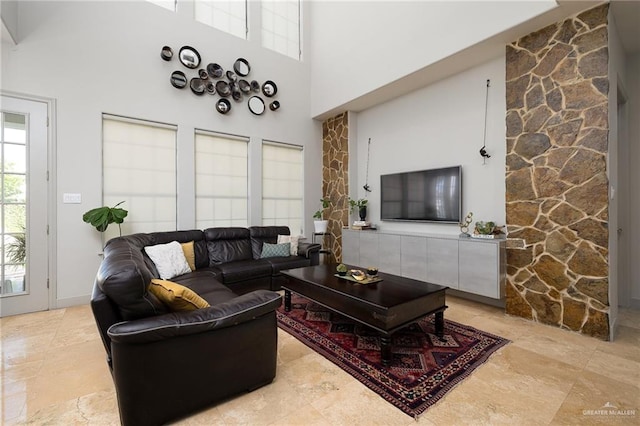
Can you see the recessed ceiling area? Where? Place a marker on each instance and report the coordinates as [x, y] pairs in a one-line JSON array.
[[626, 14]]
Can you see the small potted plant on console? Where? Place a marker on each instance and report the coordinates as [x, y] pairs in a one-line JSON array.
[[320, 224], [341, 269]]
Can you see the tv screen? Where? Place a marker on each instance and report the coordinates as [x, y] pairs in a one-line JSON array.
[[433, 195]]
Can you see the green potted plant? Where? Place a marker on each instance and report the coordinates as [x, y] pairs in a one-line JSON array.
[[361, 205], [102, 217], [341, 269], [17, 249], [320, 224]]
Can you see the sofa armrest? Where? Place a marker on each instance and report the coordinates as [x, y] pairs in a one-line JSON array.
[[308, 249], [236, 311]]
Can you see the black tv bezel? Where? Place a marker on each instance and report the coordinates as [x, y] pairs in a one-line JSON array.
[[459, 167]]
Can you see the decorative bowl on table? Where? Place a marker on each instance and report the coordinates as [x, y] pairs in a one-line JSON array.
[[372, 271], [357, 274]]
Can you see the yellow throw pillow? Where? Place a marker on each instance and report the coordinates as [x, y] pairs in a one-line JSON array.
[[189, 254], [176, 296]]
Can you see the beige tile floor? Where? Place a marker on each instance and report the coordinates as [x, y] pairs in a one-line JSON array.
[[53, 372]]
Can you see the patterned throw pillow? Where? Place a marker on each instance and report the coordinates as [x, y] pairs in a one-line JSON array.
[[290, 239], [275, 250]]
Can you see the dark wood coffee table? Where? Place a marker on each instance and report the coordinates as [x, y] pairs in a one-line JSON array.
[[386, 306]]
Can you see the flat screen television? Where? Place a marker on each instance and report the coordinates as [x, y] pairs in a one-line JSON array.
[[433, 195]]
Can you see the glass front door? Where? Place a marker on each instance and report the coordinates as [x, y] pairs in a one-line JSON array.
[[23, 206]]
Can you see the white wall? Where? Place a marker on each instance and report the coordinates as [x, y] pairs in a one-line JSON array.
[[614, 169], [368, 45], [95, 57], [438, 126], [633, 105]]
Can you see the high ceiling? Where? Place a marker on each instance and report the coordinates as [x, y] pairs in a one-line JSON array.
[[626, 14]]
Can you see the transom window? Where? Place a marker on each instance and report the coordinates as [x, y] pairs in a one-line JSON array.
[[167, 4], [281, 27], [226, 15]]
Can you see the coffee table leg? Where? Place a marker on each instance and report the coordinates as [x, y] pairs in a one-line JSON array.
[[440, 324], [385, 349], [287, 301]]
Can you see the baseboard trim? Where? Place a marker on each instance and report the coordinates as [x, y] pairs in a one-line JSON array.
[[498, 303], [72, 301]]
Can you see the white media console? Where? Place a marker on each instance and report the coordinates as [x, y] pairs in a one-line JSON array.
[[476, 266]]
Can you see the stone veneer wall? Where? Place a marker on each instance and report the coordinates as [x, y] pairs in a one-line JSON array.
[[335, 179], [557, 205]]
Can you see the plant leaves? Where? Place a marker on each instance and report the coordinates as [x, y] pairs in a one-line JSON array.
[[102, 217]]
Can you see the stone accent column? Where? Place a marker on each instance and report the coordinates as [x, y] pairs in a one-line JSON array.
[[557, 187], [335, 178]]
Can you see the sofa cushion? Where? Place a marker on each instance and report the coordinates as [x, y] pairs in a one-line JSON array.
[[275, 250], [242, 270], [227, 245], [265, 234], [280, 263], [206, 284], [169, 259], [177, 297]]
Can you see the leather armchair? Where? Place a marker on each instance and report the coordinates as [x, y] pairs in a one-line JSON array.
[[172, 365]]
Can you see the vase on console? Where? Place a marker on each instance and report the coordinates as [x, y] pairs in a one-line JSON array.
[[362, 212]]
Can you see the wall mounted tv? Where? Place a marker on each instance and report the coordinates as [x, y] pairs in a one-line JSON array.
[[433, 195]]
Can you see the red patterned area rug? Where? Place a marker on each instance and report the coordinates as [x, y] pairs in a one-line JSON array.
[[423, 368]]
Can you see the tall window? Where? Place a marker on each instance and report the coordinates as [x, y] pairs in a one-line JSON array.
[[167, 4], [139, 168], [282, 186], [222, 195], [226, 15], [13, 205], [281, 27]]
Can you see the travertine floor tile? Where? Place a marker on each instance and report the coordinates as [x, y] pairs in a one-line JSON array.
[[54, 372], [593, 392], [615, 367], [626, 344]]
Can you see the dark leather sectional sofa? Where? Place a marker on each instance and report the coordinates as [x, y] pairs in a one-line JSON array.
[[166, 365]]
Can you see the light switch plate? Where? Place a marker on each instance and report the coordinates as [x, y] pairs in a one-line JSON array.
[[71, 198]]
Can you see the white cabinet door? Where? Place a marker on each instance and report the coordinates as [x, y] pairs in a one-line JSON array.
[[479, 268], [414, 257], [350, 247], [442, 262], [368, 249], [389, 254]]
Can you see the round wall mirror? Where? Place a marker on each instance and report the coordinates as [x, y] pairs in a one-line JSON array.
[[214, 70], [197, 86], [223, 106], [269, 88], [256, 105], [242, 67], [189, 57], [166, 53], [178, 79], [223, 89]]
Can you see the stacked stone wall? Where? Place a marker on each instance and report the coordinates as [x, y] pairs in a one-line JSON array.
[[556, 180], [335, 179]]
